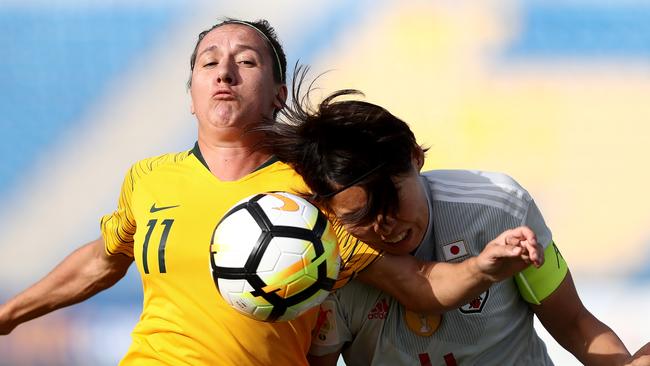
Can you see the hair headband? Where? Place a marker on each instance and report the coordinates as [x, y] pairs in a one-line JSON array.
[[354, 182]]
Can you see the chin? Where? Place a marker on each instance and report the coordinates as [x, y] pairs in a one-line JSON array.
[[401, 249], [404, 247]]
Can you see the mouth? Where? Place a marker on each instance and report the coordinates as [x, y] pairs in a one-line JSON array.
[[223, 95], [398, 238]]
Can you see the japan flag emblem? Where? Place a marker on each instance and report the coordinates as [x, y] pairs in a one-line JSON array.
[[455, 250]]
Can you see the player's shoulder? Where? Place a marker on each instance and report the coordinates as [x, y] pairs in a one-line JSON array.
[[473, 178], [283, 172], [152, 164], [277, 166], [477, 186]]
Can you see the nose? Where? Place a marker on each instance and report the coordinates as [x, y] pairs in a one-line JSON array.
[[225, 72], [384, 224]]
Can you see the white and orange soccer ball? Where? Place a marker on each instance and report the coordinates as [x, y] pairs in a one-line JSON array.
[[274, 256]]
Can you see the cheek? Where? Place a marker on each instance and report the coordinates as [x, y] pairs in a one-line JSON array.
[[258, 97], [265, 89], [412, 208], [197, 92]]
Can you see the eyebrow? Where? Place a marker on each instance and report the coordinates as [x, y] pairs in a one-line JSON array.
[[237, 48]]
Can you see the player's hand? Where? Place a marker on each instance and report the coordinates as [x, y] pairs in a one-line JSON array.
[[641, 357], [510, 253]]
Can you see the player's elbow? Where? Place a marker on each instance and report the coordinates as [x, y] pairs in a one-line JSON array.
[[112, 270], [106, 270], [422, 303], [407, 280], [416, 292]]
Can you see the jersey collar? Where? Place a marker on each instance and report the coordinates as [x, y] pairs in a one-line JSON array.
[[197, 152], [425, 250]]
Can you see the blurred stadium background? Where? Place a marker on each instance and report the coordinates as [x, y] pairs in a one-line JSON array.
[[555, 93]]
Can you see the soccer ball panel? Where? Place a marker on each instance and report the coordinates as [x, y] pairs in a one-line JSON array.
[[282, 253], [331, 255], [262, 311], [288, 267], [231, 290], [304, 306], [300, 284], [235, 238]]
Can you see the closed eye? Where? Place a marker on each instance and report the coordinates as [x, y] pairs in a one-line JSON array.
[[356, 218]]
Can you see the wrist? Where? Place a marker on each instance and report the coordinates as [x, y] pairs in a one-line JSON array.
[[7, 318], [477, 273]]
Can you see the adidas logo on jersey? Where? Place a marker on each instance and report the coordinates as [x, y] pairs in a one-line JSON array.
[[380, 310]]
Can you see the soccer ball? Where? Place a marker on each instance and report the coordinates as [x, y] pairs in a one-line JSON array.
[[274, 256]]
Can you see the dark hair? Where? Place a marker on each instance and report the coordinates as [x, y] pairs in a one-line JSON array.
[[275, 48], [342, 143]]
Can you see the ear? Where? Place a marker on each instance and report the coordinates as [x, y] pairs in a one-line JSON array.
[[280, 97]]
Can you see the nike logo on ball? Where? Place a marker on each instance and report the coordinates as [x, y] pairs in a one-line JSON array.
[[156, 209], [287, 203]]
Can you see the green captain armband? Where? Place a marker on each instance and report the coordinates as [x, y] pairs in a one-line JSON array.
[[536, 284]]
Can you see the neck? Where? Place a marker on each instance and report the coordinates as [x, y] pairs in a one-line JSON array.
[[230, 162]]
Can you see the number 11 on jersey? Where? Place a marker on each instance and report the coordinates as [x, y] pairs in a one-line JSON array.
[[167, 226]]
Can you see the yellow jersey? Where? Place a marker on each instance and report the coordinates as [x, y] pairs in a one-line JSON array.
[[168, 209]]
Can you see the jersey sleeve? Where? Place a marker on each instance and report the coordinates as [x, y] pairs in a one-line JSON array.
[[118, 228], [355, 256], [536, 284]]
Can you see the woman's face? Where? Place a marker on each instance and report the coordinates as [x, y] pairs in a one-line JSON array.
[[232, 82], [397, 233]]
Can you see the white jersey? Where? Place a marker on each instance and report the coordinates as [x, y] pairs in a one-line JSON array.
[[469, 209]]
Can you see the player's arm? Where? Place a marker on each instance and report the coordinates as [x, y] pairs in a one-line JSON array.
[[85, 272], [324, 360], [553, 297], [577, 330], [437, 287], [641, 357]]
